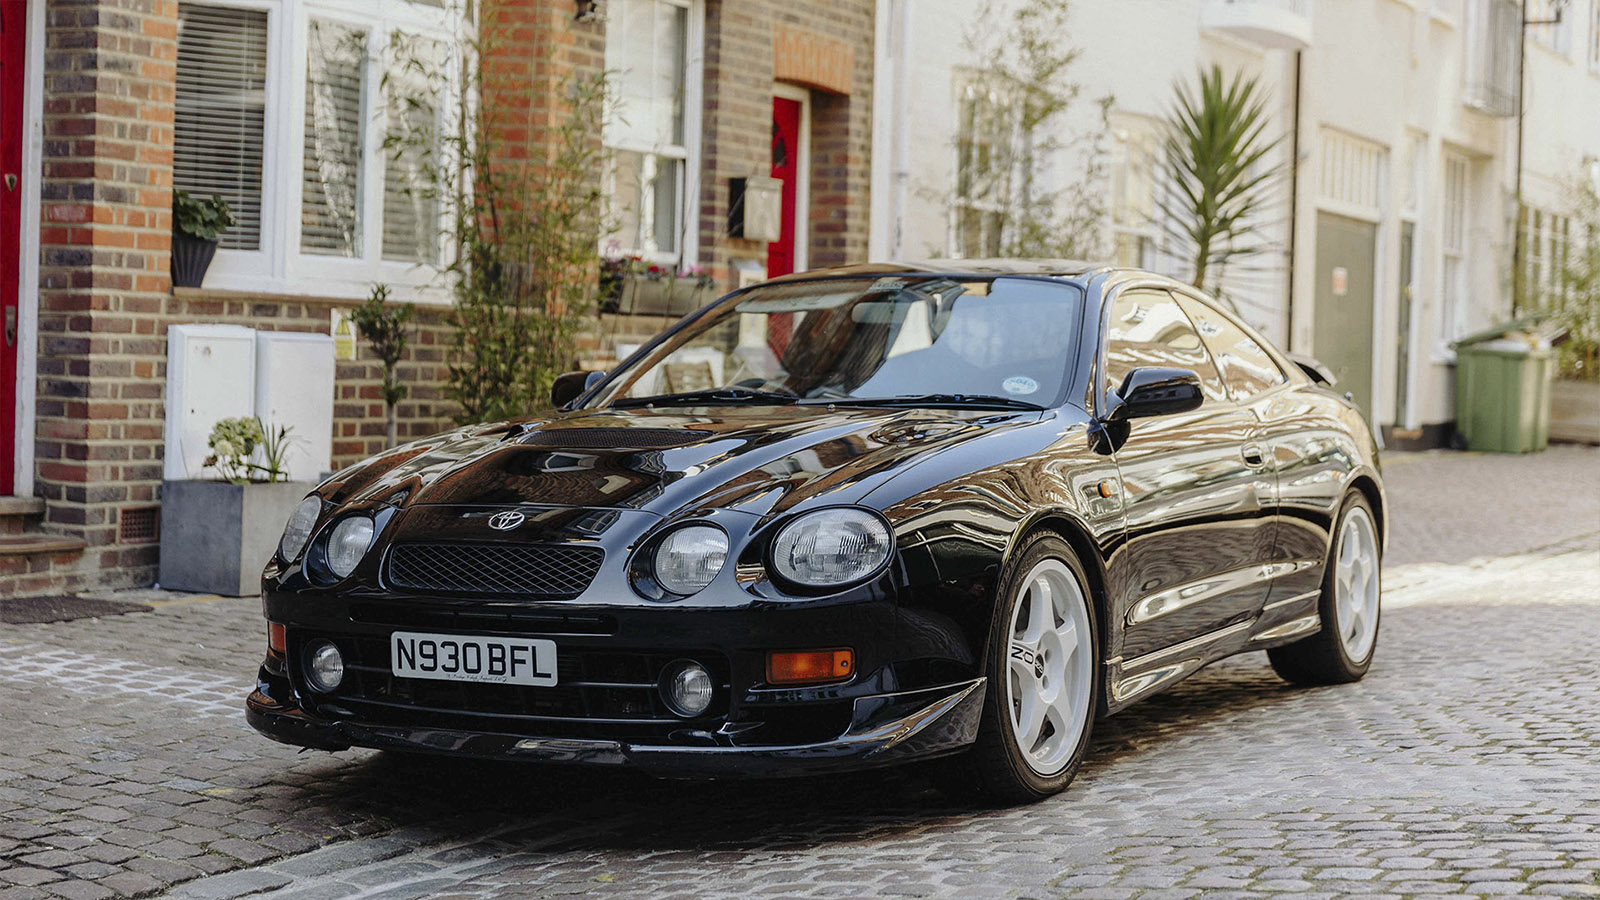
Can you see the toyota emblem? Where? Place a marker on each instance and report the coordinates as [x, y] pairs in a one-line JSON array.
[[506, 521]]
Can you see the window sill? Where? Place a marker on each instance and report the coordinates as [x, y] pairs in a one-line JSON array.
[[204, 294]]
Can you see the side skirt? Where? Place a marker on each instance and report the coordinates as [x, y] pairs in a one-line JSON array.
[[1137, 678]]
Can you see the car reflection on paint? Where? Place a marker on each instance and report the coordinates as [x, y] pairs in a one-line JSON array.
[[844, 519]]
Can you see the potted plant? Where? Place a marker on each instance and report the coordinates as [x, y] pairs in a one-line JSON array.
[[1572, 303], [216, 535], [195, 226], [384, 326]]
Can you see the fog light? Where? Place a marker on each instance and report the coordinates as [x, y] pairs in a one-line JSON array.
[[325, 667], [686, 688]]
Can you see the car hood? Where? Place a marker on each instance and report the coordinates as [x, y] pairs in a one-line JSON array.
[[764, 460]]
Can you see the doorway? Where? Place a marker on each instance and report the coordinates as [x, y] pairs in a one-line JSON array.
[[791, 166], [1347, 252], [13, 52]]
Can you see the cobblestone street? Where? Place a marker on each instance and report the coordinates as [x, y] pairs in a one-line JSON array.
[[1467, 763]]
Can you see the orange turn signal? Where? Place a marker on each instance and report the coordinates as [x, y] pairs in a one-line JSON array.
[[810, 666], [275, 639]]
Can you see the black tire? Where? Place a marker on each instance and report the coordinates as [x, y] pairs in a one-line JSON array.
[[1321, 659], [993, 771]]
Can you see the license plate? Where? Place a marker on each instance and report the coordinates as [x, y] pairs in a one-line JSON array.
[[456, 657]]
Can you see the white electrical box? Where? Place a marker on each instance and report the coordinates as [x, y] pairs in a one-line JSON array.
[[210, 377], [294, 387]]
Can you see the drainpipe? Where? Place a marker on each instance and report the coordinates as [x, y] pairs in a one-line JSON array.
[[902, 135], [1517, 287], [1294, 197]]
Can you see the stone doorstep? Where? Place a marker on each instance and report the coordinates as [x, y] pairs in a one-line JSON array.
[[31, 544], [21, 507]]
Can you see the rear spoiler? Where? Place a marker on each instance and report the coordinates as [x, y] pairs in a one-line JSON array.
[[1316, 370]]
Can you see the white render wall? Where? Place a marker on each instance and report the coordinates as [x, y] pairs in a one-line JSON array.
[[1388, 72]]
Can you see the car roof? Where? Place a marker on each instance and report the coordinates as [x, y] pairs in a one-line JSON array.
[[1066, 268]]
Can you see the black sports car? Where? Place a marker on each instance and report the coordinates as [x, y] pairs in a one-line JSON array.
[[837, 520]]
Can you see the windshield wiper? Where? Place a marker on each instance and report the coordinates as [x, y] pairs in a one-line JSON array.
[[714, 396], [971, 401]]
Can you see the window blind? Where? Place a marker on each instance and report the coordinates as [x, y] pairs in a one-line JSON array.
[[330, 196], [220, 116]]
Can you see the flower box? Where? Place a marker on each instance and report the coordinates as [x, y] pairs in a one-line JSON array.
[[643, 295]]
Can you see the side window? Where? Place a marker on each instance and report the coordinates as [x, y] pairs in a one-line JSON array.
[[1246, 367], [1147, 328]]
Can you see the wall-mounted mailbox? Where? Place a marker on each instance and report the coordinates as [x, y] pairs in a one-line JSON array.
[[755, 208]]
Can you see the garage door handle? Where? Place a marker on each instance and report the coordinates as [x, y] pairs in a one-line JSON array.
[[1252, 455]]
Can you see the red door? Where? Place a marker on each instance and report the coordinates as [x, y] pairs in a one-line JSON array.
[[785, 168], [13, 22]]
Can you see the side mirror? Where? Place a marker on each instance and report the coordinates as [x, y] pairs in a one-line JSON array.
[[1156, 391], [567, 388]]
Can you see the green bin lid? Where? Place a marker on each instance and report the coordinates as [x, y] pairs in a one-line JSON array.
[[1525, 324]]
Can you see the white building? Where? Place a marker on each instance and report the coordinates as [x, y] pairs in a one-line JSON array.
[[1393, 235]]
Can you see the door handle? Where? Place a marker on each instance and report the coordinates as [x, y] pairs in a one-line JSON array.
[[1252, 455], [11, 326], [11, 181]]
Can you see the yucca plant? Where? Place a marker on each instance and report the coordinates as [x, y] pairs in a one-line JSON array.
[[1214, 153]]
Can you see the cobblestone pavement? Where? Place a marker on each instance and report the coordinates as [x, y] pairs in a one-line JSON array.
[[1467, 763]]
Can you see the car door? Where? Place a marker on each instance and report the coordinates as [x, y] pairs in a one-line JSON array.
[[1287, 435], [1195, 500]]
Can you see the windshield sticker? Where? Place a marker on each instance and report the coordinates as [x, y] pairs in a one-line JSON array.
[[1020, 384]]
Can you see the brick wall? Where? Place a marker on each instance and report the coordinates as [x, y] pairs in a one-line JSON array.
[[106, 301], [109, 71], [737, 123]]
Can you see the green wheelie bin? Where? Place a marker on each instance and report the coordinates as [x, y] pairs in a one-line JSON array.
[[1503, 389]]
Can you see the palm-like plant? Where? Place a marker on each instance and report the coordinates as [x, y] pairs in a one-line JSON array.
[[1216, 141]]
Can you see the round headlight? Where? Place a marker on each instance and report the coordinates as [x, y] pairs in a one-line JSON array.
[[831, 547], [299, 528], [687, 689], [324, 666], [690, 557], [348, 543]]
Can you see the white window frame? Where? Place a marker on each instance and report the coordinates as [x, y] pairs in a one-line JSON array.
[[688, 252], [967, 81], [1594, 36], [279, 266], [1556, 38], [1455, 228], [1137, 134]]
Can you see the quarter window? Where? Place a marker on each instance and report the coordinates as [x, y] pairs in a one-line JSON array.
[[1148, 329], [1246, 366]]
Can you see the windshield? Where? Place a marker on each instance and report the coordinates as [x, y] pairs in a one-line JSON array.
[[843, 340]]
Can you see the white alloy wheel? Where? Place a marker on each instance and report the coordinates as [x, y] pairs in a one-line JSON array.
[[1050, 667], [1355, 584]]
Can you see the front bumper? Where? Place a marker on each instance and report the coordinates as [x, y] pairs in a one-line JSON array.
[[884, 729]]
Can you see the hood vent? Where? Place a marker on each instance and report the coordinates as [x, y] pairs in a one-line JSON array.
[[612, 438]]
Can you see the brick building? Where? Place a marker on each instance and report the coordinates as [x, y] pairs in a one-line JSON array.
[[282, 106]]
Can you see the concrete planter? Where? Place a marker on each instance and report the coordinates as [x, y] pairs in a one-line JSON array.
[[1575, 411], [216, 537]]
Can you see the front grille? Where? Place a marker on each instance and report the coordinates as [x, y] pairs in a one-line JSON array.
[[524, 570], [600, 693]]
